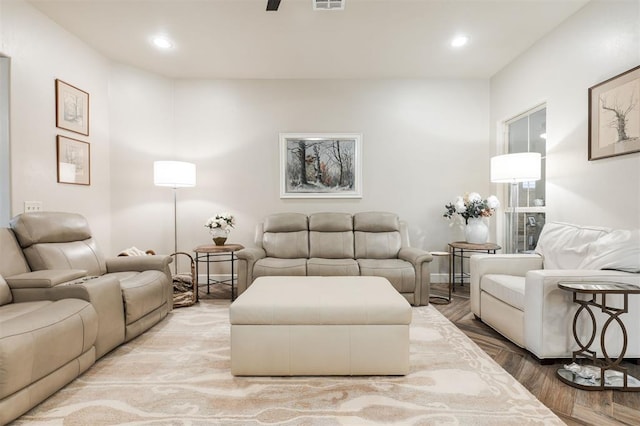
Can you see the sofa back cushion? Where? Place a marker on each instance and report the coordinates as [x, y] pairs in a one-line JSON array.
[[286, 236], [5, 292], [52, 240], [12, 261], [619, 250], [377, 235], [565, 246], [331, 235]]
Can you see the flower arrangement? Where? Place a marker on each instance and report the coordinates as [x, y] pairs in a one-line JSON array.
[[472, 206], [222, 221]]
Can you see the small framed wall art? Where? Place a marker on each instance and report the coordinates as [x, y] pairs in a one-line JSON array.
[[72, 108], [320, 165], [614, 116], [74, 161]]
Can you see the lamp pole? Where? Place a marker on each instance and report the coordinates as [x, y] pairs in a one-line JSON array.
[[174, 174], [513, 169]]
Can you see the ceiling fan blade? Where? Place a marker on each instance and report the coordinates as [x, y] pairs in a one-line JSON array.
[[273, 4]]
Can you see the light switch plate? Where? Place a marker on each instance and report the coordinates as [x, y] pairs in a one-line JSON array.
[[32, 206]]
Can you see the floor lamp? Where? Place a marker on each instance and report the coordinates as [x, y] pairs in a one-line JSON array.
[[175, 174], [513, 169]]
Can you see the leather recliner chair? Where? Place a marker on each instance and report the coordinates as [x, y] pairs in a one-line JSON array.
[[63, 242]]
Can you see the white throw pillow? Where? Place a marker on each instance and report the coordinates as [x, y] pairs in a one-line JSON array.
[[620, 250], [565, 246]]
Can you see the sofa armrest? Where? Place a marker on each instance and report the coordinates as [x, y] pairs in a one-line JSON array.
[[247, 257], [414, 255], [502, 264], [420, 260], [45, 278], [549, 310], [102, 292], [139, 263]]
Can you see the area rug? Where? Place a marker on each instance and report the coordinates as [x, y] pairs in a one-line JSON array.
[[178, 373]]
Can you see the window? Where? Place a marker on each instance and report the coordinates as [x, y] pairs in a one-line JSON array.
[[528, 133], [5, 187]]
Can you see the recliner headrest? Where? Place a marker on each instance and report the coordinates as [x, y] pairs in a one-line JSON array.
[[49, 227]]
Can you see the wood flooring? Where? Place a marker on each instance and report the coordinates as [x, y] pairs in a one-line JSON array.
[[573, 406]]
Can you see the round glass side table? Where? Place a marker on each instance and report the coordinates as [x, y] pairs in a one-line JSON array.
[[606, 373], [441, 300]]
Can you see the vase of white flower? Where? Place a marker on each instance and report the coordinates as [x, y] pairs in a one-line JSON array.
[[476, 231], [473, 209], [219, 226]]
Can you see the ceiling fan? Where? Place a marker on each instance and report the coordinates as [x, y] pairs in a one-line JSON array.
[[273, 4], [317, 5]]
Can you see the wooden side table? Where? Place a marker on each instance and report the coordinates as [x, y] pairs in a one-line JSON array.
[[208, 254], [586, 378], [463, 250]]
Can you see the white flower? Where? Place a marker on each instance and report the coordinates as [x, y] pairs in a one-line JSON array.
[[471, 206], [220, 221], [493, 202], [474, 196]]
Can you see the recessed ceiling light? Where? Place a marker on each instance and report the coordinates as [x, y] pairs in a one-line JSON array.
[[162, 42], [459, 41]]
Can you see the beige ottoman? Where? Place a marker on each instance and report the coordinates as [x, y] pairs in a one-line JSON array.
[[293, 326]]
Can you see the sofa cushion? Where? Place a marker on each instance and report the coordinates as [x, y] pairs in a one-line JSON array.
[[12, 261], [286, 245], [37, 338], [377, 245], [332, 267], [69, 255], [400, 273], [5, 292], [619, 250], [270, 266], [50, 227], [331, 235], [286, 222], [564, 246], [508, 288], [376, 222]]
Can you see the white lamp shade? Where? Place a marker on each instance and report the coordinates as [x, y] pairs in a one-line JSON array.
[[520, 167], [176, 174]]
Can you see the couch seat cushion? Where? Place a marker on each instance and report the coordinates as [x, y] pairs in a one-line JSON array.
[[270, 266], [400, 273], [508, 288], [37, 338], [332, 267]]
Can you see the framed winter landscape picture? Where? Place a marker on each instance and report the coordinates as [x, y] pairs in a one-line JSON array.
[[614, 116], [320, 165]]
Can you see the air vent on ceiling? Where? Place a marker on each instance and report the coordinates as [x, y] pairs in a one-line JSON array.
[[328, 4]]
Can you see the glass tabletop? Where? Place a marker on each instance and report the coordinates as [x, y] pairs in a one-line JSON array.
[[599, 287]]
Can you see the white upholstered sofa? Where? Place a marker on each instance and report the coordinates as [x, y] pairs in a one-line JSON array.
[[518, 294]]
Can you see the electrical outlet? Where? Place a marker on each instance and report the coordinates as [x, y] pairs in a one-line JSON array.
[[32, 206]]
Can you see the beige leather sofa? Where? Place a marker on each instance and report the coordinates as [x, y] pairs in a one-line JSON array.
[[43, 346], [337, 244], [518, 294], [55, 272]]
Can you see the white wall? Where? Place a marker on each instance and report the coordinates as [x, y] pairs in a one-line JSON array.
[[424, 142], [600, 41], [40, 52]]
